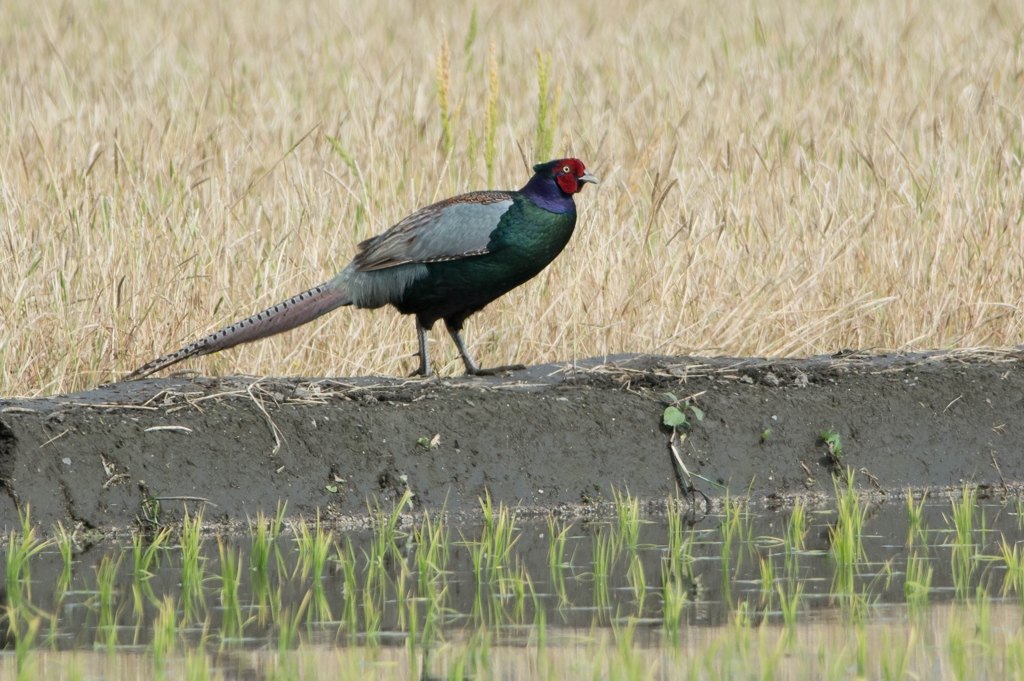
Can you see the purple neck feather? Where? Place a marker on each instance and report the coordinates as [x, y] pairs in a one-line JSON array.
[[546, 193]]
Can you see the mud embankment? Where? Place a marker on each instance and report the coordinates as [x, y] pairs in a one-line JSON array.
[[553, 436]]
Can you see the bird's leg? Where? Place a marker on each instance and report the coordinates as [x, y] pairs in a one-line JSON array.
[[456, 333], [421, 336], [472, 369]]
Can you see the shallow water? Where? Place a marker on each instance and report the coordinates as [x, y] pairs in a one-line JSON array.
[[687, 597]]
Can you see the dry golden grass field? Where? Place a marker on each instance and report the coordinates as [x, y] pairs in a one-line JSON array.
[[782, 178]]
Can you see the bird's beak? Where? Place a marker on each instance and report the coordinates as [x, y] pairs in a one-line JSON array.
[[587, 177]]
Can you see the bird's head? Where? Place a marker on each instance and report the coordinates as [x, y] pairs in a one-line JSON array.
[[569, 173]]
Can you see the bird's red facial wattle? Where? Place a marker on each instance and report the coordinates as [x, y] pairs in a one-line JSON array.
[[571, 175]]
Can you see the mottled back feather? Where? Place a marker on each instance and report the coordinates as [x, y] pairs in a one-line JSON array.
[[459, 227]]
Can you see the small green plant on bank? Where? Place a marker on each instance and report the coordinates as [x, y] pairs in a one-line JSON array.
[[675, 412], [830, 436]]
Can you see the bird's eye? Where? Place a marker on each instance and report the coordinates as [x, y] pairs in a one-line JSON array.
[[566, 169]]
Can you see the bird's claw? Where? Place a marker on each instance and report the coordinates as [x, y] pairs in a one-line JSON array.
[[494, 371]]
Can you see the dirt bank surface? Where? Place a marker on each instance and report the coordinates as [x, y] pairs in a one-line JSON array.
[[561, 435]]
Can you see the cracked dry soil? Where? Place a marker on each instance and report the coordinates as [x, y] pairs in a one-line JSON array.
[[555, 437]]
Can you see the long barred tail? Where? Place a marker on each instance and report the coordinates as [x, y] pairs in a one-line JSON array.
[[295, 311]]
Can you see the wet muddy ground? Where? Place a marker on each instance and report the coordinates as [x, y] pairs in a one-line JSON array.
[[554, 437]]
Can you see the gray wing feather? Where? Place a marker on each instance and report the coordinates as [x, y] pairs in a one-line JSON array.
[[459, 227]]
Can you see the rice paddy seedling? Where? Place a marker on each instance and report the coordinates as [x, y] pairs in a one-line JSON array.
[[627, 513], [197, 666], [372, 616], [287, 622], [145, 560], [983, 619], [673, 601], [789, 602], [264, 533], [21, 548], [638, 582], [65, 545], [384, 550], [314, 548], [964, 550], [767, 581], [845, 537], [350, 589], [165, 632], [896, 657], [192, 565], [729, 528], [917, 582], [604, 556], [520, 584], [558, 534], [958, 646], [796, 529], [964, 515], [106, 577], [915, 519], [433, 617], [431, 539], [23, 631], [674, 514], [500, 534], [232, 622], [1013, 579]]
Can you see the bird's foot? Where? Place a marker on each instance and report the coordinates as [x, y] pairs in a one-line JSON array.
[[494, 371]]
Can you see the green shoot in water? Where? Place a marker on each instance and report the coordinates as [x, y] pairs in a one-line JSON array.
[[264, 534], [192, 565], [232, 623], [915, 519], [165, 632], [1013, 580], [65, 545], [604, 556], [917, 582], [21, 548], [557, 536], [846, 543], [145, 560], [106, 577], [964, 550], [627, 513]]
